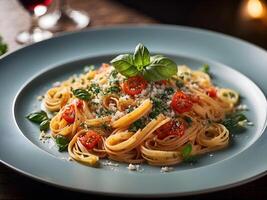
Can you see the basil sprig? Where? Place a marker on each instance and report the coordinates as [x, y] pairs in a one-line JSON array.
[[40, 118], [152, 68]]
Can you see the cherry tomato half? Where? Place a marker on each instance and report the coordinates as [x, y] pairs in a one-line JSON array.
[[134, 85], [90, 139], [69, 114], [171, 128], [212, 92], [181, 102], [79, 103]]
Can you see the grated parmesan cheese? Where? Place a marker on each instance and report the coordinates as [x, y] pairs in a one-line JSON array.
[[133, 167], [70, 159], [166, 169], [56, 84], [109, 163], [242, 107], [40, 98], [117, 115]]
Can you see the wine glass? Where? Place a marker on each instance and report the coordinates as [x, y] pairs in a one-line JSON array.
[[63, 18], [36, 8]]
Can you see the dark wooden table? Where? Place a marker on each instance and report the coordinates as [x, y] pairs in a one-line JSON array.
[[16, 186]]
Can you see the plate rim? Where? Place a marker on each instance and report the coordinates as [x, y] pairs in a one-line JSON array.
[[141, 194]]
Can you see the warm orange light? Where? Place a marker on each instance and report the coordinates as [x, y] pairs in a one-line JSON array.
[[255, 9]]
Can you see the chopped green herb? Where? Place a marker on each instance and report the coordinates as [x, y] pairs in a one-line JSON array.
[[62, 142], [169, 90], [158, 107], [188, 120], [187, 149], [129, 109], [205, 68], [3, 47], [114, 73], [157, 102], [106, 127], [83, 125], [113, 89], [154, 113], [82, 94], [94, 88], [138, 124], [104, 112]]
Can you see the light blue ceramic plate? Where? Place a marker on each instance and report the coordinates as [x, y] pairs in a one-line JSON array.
[[28, 72]]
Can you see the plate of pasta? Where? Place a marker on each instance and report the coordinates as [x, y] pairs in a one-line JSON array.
[[136, 115]]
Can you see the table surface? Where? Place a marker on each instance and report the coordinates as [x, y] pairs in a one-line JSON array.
[[16, 186]]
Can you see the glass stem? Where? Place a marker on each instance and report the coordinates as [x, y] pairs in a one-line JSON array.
[[63, 5], [34, 23]]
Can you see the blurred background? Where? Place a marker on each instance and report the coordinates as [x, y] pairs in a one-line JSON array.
[[246, 19]]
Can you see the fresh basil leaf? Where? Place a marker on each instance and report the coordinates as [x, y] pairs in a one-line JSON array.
[[187, 149], [81, 94], [150, 74], [130, 72], [165, 66], [141, 57], [44, 125], [62, 142], [161, 68], [37, 117], [205, 68], [234, 121], [124, 64]]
